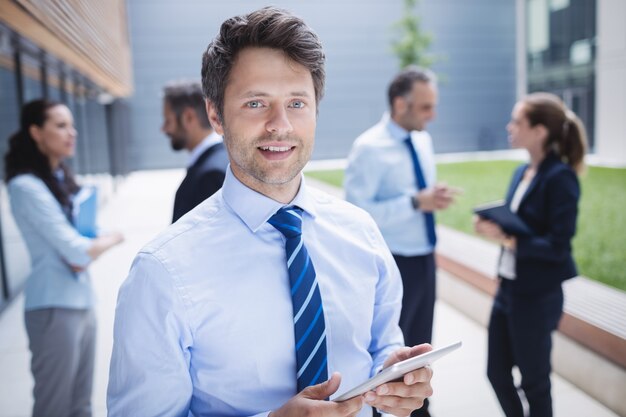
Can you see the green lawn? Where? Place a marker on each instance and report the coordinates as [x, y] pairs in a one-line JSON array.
[[600, 243], [331, 176]]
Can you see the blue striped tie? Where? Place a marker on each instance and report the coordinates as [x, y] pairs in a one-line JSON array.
[[308, 321], [421, 184]]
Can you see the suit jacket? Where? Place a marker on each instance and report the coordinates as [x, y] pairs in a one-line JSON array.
[[549, 207], [203, 179]]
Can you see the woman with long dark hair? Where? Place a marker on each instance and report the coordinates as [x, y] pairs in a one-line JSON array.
[[529, 303], [59, 315]]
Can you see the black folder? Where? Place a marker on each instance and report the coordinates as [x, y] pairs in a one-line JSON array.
[[502, 215]]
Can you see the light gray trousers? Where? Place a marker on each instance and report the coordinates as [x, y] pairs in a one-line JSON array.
[[62, 343]]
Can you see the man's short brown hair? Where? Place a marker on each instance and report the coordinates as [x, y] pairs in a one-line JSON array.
[[268, 27]]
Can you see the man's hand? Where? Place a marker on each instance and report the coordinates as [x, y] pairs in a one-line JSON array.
[[402, 397], [436, 198], [310, 402]]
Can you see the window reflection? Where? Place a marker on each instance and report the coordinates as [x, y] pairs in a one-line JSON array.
[[561, 53]]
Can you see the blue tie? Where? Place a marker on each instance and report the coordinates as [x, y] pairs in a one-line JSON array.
[[308, 321], [421, 184]]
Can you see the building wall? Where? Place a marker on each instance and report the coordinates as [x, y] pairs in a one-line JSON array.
[[611, 82], [476, 40]]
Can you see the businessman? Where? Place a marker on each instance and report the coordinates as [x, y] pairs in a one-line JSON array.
[[186, 123], [391, 174], [269, 297]]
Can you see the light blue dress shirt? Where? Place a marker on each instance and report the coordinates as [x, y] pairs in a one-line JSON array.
[[204, 321], [53, 244], [380, 178]]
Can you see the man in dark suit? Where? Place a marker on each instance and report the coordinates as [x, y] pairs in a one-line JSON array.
[[186, 123]]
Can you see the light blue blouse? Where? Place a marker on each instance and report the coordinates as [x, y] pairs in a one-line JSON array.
[[53, 244], [204, 321]]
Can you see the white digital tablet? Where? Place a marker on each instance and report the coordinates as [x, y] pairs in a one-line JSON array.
[[398, 370]]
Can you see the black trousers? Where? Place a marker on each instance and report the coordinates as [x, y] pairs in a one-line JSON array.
[[418, 303], [520, 334]]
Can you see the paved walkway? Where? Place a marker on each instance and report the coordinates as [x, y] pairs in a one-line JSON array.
[[141, 208]]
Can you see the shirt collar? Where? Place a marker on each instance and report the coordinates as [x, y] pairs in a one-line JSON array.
[[212, 139], [396, 131], [254, 208]]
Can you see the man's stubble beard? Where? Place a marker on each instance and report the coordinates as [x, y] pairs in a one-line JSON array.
[[244, 158], [178, 139]]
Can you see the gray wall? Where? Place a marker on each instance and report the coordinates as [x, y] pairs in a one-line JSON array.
[[476, 38]]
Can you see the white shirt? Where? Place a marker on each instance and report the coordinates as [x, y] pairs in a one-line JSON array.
[[506, 266], [212, 139], [380, 178], [204, 321]]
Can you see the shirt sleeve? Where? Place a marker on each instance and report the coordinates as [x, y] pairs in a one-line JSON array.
[[32, 201], [149, 374], [386, 334], [362, 180], [561, 210]]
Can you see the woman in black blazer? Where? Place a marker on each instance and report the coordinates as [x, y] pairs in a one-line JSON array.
[[528, 305]]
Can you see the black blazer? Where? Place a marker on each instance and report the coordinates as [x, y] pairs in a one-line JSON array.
[[203, 179], [549, 207]]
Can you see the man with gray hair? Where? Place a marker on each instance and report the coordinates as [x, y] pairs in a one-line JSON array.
[[186, 123], [391, 174]]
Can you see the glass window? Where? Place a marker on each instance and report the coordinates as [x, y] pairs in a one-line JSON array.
[[560, 32], [538, 26], [97, 137], [15, 256], [9, 124], [54, 93], [558, 4], [31, 76], [561, 53], [9, 111]]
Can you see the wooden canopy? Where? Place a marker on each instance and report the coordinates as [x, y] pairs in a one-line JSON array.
[[89, 35]]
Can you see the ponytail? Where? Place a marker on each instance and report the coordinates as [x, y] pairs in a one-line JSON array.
[[566, 133], [573, 144]]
